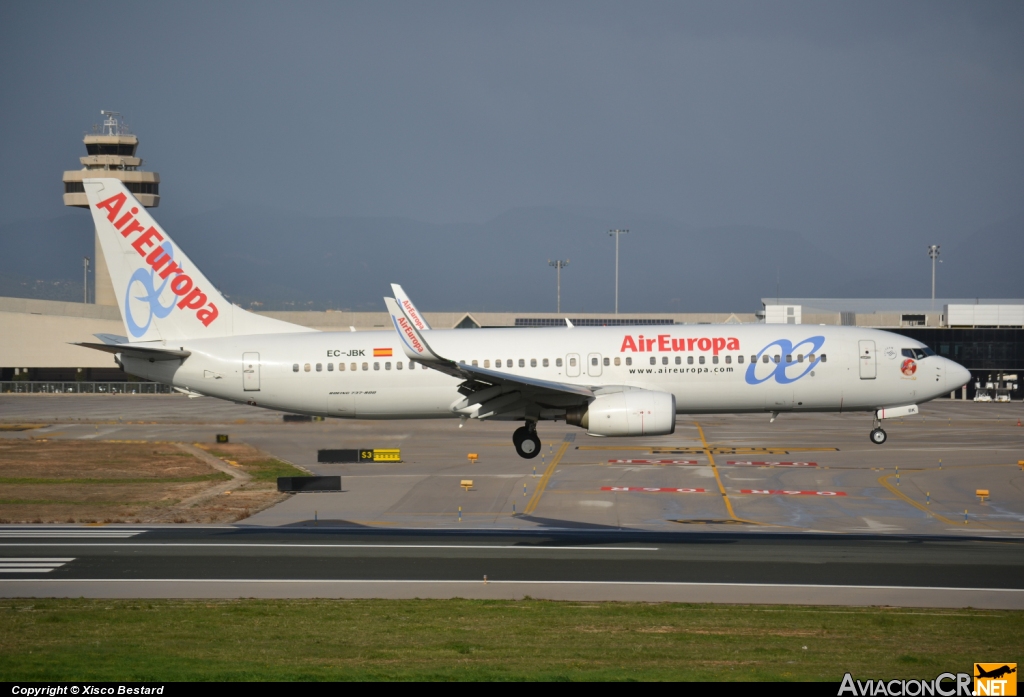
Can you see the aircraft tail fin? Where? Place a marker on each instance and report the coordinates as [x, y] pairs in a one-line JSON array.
[[162, 295]]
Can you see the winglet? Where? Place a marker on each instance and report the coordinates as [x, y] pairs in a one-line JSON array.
[[569, 324], [413, 342], [414, 315]]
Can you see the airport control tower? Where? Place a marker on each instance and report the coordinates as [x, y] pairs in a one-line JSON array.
[[110, 152]]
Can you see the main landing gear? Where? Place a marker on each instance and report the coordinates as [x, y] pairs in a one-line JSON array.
[[526, 441]]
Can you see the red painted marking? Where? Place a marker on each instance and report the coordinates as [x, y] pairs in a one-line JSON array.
[[792, 492], [653, 462], [653, 489], [763, 463]]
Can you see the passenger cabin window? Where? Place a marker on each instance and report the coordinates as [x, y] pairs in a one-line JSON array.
[[399, 365], [753, 359], [522, 363], [701, 360], [824, 358], [376, 365], [545, 364], [330, 367], [387, 365], [572, 362], [306, 367], [714, 359], [629, 360], [689, 360], [679, 360], [319, 367], [607, 362], [664, 360], [799, 358], [653, 360], [811, 358], [739, 358], [533, 362], [474, 364], [497, 363], [487, 363], [618, 361], [341, 366], [778, 358], [411, 365], [593, 361], [558, 362], [353, 366], [789, 358], [295, 367], [728, 360], [366, 366]]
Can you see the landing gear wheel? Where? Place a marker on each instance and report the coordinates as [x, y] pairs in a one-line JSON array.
[[878, 436], [527, 443]]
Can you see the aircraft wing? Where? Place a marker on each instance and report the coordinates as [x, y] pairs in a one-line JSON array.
[[488, 392], [414, 315]]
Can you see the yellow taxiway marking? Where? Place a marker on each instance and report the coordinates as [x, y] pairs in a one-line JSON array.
[[543, 483], [884, 481], [718, 479]]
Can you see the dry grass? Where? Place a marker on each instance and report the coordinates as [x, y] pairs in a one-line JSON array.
[[63, 481]]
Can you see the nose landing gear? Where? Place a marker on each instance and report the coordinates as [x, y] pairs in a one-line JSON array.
[[526, 441], [878, 436]]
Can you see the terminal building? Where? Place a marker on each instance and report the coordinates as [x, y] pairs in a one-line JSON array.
[[37, 355]]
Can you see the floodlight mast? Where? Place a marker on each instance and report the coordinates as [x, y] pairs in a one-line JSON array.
[[559, 264], [933, 253], [616, 234]]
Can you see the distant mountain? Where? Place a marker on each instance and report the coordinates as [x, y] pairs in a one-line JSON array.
[[286, 260]]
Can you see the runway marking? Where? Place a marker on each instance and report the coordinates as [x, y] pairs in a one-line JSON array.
[[31, 565], [652, 462], [543, 484], [71, 534], [718, 479], [672, 490], [543, 548], [761, 463], [667, 584], [792, 492]]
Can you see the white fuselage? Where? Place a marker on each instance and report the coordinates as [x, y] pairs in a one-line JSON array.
[[706, 367]]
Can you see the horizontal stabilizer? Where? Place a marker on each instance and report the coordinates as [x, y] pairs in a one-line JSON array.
[[135, 351]]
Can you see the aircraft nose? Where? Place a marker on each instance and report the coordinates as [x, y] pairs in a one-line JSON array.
[[956, 376]]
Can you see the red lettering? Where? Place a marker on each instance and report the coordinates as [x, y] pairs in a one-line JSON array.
[[628, 344], [125, 218], [113, 205], [678, 344], [704, 344], [650, 344], [719, 344], [640, 340], [194, 300], [171, 268], [157, 258], [134, 227], [734, 344], [663, 342], [181, 284], [146, 240], [207, 314], [690, 343]]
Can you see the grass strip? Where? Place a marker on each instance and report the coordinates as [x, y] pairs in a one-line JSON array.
[[213, 477], [165, 640]]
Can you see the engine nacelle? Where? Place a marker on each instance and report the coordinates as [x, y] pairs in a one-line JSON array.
[[628, 413]]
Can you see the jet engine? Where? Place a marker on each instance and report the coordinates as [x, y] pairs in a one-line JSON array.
[[627, 413]]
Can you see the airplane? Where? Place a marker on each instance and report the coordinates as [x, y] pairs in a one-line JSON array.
[[611, 381]]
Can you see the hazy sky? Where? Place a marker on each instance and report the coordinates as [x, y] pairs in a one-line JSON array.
[[849, 122]]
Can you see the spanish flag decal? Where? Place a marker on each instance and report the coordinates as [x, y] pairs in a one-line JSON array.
[[382, 353]]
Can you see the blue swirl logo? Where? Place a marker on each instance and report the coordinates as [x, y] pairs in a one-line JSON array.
[[780, 369], [147, 278]]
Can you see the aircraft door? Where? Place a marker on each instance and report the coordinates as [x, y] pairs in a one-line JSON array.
[[572, 365], [868, 366], [594, 365], [251, 372]]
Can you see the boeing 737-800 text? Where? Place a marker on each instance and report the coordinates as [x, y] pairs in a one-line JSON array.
[[612, 381]]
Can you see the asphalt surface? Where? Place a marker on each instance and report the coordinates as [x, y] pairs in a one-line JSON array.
[[229, 561]]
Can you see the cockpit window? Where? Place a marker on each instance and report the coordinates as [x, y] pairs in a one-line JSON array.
[[917, 353]]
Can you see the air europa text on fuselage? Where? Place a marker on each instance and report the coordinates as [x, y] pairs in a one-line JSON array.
[[147, 244], [666, 342]]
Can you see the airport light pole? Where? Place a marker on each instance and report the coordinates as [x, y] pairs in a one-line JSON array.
[[559, 264], [85, 280], [933, 253], [616, 234]]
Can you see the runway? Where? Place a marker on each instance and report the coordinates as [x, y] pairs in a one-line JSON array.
[[740, 567]]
